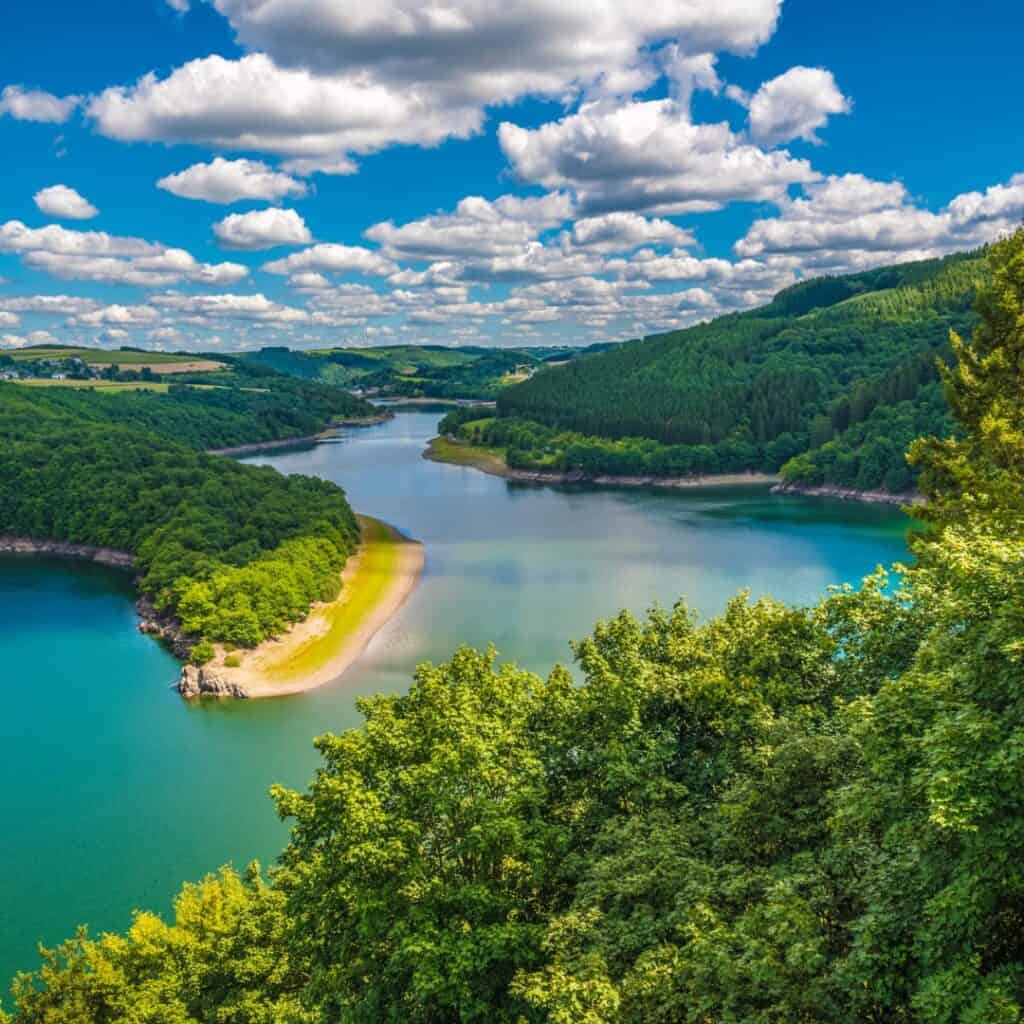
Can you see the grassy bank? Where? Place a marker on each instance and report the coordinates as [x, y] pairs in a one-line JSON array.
[[490, 460], [376, 581]]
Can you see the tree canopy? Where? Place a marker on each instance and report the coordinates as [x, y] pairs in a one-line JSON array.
[[837, 372]]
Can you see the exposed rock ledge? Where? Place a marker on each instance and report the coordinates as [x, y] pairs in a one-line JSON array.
[[154, 622], [850, 494], [151, 621], [62, 549], [207, 682]]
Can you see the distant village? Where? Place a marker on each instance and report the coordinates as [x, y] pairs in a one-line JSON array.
[[68, 368]]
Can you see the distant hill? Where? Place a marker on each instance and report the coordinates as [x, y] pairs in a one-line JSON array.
[[835, 370], [433, 371]]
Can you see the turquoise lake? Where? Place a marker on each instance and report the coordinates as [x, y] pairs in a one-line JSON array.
[[115, 790]]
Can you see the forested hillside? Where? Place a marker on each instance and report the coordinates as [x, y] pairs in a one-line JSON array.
[[236, 552], [807, 370], [784, 814], [215, 410]]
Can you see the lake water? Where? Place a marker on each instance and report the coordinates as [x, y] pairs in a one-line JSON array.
[[115, 790]]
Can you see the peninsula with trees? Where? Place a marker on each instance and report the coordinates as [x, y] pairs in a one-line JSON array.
[[228, 556]]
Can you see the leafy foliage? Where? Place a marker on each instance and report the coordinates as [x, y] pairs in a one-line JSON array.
[[223, 959], [982, 471]]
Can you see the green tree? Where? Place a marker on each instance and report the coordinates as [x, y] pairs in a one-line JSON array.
[[981, 472], [223, 959]]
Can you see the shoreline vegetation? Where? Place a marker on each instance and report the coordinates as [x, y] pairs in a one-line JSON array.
[[492, 460], [826, 385], [376, 582], [222, 553], [452, 451]]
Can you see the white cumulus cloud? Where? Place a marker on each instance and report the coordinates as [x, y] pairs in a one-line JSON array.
[[65, 202], [795, 105], [622, 231], [33, 338], [330, 258], [228, 181], [251, 104], [112, 259], [36, 105], [850, 222], [120, 316], [477, 228], [255, 307], [493, 52], [262, 229], [648, 156]]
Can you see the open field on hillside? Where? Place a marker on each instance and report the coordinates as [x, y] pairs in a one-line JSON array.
[[159, 362]]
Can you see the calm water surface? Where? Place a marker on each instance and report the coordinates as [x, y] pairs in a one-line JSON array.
[[114, 790]]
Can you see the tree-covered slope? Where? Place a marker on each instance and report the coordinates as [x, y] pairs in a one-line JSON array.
[[213, 410], [236, 552], [766, 384]]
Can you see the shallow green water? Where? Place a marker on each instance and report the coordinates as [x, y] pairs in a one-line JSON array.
[[114, 790]]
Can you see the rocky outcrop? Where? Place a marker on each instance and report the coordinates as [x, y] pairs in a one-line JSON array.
[[61, 549], [199, 681], [849, 494], [154, 622]]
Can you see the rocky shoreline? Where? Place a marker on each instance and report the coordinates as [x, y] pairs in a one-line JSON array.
[[61, 549], [203, 681], [663, 482], [288, 442], [849, 494], [152, 621], [164, 627]]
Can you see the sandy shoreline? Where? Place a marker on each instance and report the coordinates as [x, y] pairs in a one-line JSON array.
[[376, 582]]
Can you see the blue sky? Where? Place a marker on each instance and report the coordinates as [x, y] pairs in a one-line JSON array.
[[529, 172]]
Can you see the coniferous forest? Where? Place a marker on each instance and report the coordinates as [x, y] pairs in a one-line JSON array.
[[779, 815], [829, 383]]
